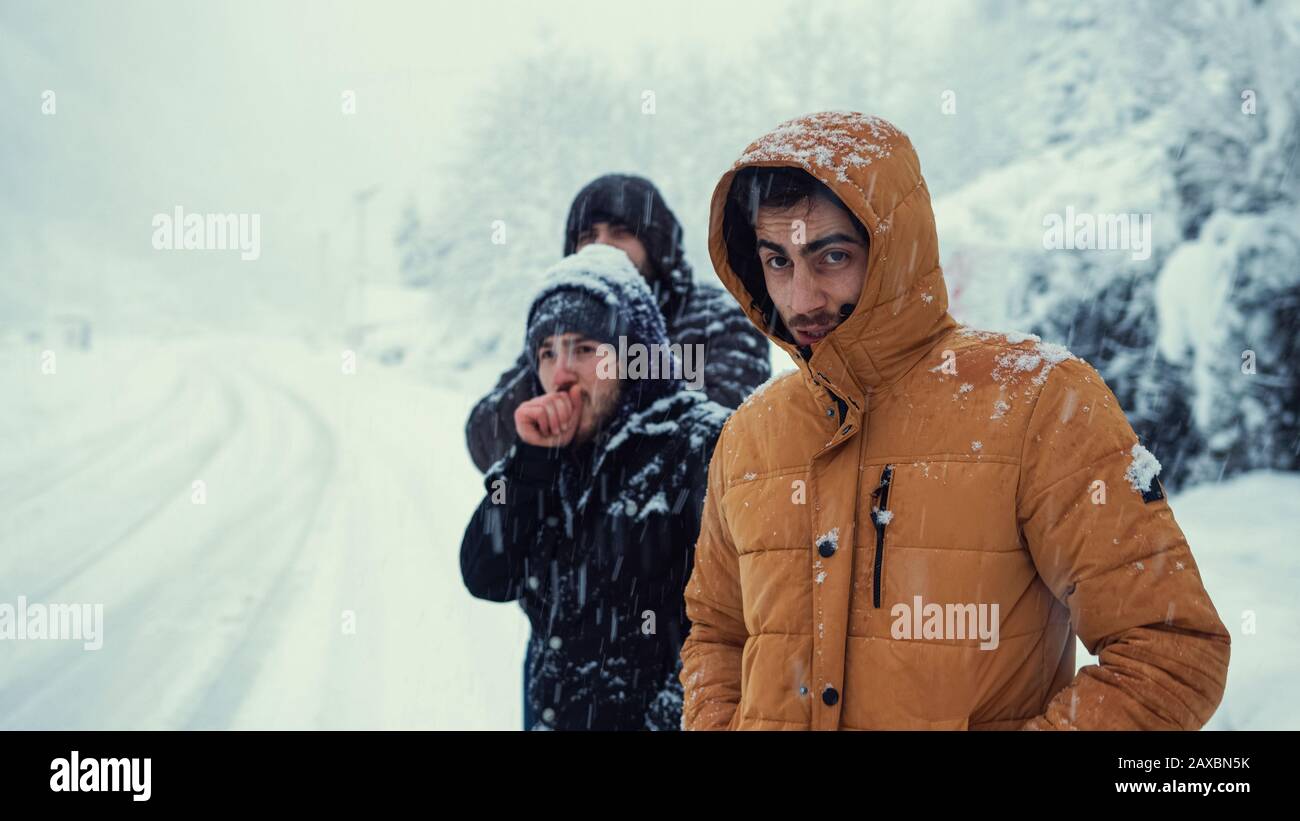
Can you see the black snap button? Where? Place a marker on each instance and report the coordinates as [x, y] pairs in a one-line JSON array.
[[830, 696], [826, 547]]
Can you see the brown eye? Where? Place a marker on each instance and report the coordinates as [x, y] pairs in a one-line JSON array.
[[843, 256]]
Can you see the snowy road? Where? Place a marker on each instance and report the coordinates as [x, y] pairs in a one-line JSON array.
[[317, 584]]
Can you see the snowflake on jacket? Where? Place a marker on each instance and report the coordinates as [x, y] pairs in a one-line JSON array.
[[596, 541]]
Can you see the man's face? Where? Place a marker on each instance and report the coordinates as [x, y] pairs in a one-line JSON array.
[[622, 237], [568, 359], [809, 282]]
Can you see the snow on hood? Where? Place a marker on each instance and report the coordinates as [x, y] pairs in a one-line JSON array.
[[871, 166]]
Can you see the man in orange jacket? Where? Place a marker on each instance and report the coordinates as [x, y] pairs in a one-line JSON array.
[[909, 531]]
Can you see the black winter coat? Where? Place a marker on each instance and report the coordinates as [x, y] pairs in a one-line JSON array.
[[596, 543]]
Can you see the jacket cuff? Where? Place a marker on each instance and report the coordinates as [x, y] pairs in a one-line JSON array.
[[528, 465]]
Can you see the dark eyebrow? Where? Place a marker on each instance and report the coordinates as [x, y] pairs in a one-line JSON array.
[[830, 239], [814, 246], [611, 222], [578, 339]]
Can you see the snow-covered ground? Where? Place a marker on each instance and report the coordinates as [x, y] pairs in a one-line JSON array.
[[332, 501], [335, 501], [1242, 533]]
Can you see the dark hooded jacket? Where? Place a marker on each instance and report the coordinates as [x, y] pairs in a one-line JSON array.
[[735, 353], [595, 542]]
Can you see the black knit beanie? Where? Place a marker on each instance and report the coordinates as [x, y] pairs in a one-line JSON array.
[[571, 310]]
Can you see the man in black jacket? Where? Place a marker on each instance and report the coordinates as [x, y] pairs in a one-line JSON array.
[[628, 212], [590, 519]]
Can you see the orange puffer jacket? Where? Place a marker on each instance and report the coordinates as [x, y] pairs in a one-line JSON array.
[[925, 559]]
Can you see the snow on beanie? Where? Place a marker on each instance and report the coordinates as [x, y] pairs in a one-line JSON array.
[[573, 310], [599, 293], [637, 203]]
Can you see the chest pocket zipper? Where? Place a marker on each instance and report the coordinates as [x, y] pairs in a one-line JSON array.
[[879, 506]]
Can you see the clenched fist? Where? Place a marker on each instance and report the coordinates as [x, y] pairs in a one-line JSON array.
[[550, 420]]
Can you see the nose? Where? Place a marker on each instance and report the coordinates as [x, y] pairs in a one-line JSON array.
[[806, 296], [564, 375]]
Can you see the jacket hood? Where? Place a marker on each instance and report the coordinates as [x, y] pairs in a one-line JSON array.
[[636, 202], [903, 310]]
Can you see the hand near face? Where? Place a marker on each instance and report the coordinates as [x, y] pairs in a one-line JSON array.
[[550, 420]]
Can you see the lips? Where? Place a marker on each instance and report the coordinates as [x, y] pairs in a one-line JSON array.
[[812, 334]]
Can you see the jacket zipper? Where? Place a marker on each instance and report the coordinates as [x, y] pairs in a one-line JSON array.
[[880, 504]]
